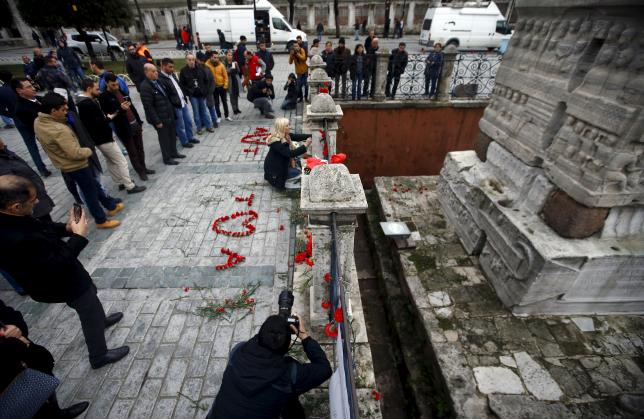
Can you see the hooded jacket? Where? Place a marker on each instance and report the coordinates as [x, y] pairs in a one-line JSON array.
[[219, 73], [278, 159], [60, 143], [94, 120], [258, 383]]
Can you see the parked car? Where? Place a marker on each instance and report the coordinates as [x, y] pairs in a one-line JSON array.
[[466, 27], [99, 43], [237, 20]]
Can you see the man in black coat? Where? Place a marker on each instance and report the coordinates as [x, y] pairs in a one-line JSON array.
[[134, 66], [26, 112], [160, 113], [397, 63], [18, 351], [261, 381], [47, 267], [371, 59], [341, 56], [261, 93], [98, 125], [127, 123]]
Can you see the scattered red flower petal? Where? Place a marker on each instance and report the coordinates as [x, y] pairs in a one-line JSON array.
[[326, 304], [338, 315], [281, 227], [220, 309], [375, 394], [327, 277], [186, 289], [309, 262], [300, 257]]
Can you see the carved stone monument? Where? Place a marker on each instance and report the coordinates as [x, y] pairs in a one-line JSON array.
[[322, 114], [553, 198]]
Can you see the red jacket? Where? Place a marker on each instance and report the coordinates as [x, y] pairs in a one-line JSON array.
[[252, 64], [185, 36]]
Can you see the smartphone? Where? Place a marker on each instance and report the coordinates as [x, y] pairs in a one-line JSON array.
[[78, 211]]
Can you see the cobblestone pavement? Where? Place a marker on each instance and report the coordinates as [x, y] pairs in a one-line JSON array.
[[166, 243]]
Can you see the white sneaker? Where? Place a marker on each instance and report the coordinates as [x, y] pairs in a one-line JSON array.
[[293, 183], [229, 119], [219, 120]]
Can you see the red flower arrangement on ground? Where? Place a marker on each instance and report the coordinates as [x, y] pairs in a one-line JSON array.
[[233, 259], [247, 224], [249, 199], [331, 330], [242, 301], [252, 150], [306, 255], [258, 137]]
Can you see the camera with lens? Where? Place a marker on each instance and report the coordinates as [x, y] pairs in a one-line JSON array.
[[285, 302]]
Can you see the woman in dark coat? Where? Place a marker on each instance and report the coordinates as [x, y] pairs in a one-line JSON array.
[[279, 164]]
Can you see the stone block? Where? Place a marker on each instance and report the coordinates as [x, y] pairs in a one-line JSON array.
[[481, 144], [537, 379], [497, 380], [571, 219]]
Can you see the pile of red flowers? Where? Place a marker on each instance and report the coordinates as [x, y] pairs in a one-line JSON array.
[[242, 301], [312, 162], [250, 228], [249, 199], [403, 188], [306, 255], [258, 137], [233, 259]]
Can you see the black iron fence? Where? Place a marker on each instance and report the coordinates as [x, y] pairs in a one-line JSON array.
[[471, 76]]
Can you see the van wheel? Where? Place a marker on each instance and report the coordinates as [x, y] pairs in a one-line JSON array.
[[452, 42]]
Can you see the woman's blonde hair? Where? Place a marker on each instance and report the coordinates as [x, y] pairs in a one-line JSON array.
[[279, 128]]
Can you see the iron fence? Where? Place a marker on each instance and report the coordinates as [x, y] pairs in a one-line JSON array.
[[472, 77]]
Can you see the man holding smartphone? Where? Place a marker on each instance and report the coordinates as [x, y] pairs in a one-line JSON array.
[[34, 253]]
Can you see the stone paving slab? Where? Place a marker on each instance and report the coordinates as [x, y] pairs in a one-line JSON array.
[[558, 368]]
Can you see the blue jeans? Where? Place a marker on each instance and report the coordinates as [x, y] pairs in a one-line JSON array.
[[301, 82], [289, 104], [183, 124], [93, 195], [7, 120], [76, 74], [32, 147], [20, 290], [214, 116], [356, 87], [200, 113], [293, 172]]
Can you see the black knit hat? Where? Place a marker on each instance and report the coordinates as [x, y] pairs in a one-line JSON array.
[[275, 334]]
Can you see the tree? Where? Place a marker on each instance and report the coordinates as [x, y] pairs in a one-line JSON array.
[[6, 18], [81, 15], [336, 13], [291, 11]]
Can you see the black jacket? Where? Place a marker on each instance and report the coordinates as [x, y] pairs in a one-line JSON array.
[[68, 57], [397, 62], [134, 67], [172, 92], [12, 164], [258, 383], [329, 59], [75, 123], [291, 91], [94, 119], [353, 66], [110, 104], [267, 57], [10, 316], [341, 56], [255, 91], [277, 162], [193, 81], [157, 106], [35, 255], [8, 101], [26, 113], [370, 60]]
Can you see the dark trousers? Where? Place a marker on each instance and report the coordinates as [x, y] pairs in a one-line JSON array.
[[92, 317], [134, 147], [93, 195], [302, 84], [30, 141], [433, 80], [220, 96], [344, 84], [167, 141], [293, 409], [396, 80]]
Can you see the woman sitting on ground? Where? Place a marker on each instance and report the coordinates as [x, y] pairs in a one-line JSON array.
[[280, 163]]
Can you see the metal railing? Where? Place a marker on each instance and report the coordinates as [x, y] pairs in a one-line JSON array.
[[345, 334], [472, 76]]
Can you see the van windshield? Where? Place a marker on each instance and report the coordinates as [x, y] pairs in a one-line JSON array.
[[427, 24], [280, 24]]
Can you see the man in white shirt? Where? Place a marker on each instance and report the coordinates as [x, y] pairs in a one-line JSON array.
[[180, 103]]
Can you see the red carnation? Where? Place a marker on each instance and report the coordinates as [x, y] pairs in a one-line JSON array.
[[375, 394], [338, 315], [220, 309], [300, 257], [326, 304], [338, 158], [327, 277], [244, 291], [309, 262], [186, 289], [331, 330], [281, 227]]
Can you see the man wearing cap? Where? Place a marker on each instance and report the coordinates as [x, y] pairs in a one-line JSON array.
[[261, 381]]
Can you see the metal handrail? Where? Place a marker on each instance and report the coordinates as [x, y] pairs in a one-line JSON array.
[[338, 298]]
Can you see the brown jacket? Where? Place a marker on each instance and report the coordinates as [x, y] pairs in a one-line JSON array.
[[60, 143]]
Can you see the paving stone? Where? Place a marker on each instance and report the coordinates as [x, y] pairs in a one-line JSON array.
[[214, 375], [134, 379], [146, 399], [537, 379], [186, 408], [439, 299], [151, 342], [174, 378], [121, 409], [161, 360], [222, 341], [497, 380], [102, 403], [139, 328], [175, 326], [164, 408], [187, 342]]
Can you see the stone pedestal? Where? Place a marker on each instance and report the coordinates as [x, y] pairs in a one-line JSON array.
[[382, 62], [449, 58], [322, 114], [318, 78], [331, 189], [553, 202]]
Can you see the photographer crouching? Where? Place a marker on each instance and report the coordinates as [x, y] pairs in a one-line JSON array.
[[261, 381]]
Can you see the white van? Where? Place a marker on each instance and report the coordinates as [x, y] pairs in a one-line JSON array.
[[467, 27], [237, 20], [99, 43]]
